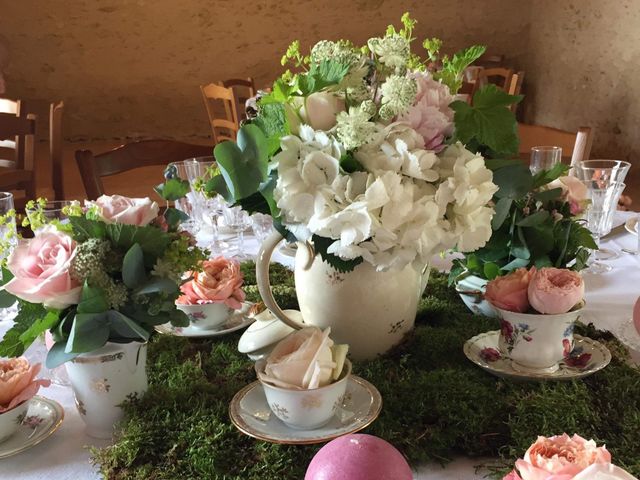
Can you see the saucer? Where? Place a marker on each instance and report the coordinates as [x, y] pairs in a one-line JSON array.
[[629, 335], [250, 413], [483, 351], [236, 321], [632, 225], [43, 417]]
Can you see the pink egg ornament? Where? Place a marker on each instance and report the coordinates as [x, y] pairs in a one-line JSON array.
[[358, 457]]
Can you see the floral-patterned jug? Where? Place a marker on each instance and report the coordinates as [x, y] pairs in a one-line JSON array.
[[369, 310]]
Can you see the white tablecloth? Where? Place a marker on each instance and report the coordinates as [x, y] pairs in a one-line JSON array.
[[64, 456]]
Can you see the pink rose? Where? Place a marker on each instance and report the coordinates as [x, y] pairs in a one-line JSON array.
[[41, 270], [560, 458], [510, 291], [128, 211], [320, 110], [555, 290], [18, 382], [430, 114], [573, 191], [220, 281]]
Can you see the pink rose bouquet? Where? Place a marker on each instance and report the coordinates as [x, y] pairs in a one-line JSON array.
[[566, 458], [124, 210], [18, 382], [218, 281], [547, 290]]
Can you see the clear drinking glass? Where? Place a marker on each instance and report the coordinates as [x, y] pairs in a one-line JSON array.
[[179, 170], [599, 215], [8, 232], [262, 225], [544, 158], [212, 211], [238, 221], [52, 211]]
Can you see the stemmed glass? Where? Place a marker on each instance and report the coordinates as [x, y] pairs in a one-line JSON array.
[[179, 170], [544, 158], [262, 225], [599, 175], [238, 221], [599, 215]]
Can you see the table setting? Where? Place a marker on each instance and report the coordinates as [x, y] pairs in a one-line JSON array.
[[364, 285]]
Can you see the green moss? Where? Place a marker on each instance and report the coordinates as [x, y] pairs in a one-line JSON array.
[[436, 403]]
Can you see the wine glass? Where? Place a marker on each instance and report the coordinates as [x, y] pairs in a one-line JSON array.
[[179, 170], [599, 215], [262, 225], [237, 220], [544, 158], [212, 211], [51, 212]]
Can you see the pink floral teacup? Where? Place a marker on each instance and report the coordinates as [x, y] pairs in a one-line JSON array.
[[537, 343], [11, 420], [206, 316]]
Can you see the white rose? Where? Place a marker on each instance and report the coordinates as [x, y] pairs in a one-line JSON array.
[[320, 110], [604, 471]]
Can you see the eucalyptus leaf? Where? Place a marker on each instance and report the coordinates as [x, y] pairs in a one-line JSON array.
[[534, 219], [515, 263], [57, 355], [7, 299], [548, 195], [514, 181], [84, 229], [217, 186], [502, 211], [126, 327], [133, 271], [152, 240], [157, 285], [93, 300], [89, 332]]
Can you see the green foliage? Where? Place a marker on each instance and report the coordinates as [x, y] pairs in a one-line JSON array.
[[16, 340], [173, 189], [437, 404], [321, 244], [488, 123], [151, 240], [322, 75], [273, 123], [451, 73]]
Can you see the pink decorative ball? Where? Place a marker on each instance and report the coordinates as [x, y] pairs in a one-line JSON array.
[[358, 457]]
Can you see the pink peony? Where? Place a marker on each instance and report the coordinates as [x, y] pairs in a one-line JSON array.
[[431, 115], [573, 191], [559, 458], [555, 290], [18, 382], [220, 281], [41, 270], [510, 292], [128, 211]]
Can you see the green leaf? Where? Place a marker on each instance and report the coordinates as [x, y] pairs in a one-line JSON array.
[[173, 189], [83, 228], [7, 299], [520, 251], [489, 120], [217, 185], [244, 164], [40, 326], [548, 195], [89, 332], [497, 163], [152, 241], [543, 261], [452, 69], [349, 163], [515, 263], [28, 314], [514, 182], [502, 210], [7, 276], [157, 285], [126, 327], [57, 355], [174, 217], [491, 271], [322, 75], [273, 123], [322, 243], [546, 176], [133, 272], [93, 300], [534, 219]]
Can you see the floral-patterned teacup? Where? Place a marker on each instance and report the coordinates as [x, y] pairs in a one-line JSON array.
[[307, 409], [12, 419], [207, 316], [536, 342]]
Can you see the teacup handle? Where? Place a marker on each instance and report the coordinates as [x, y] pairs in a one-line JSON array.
[[262, 276]]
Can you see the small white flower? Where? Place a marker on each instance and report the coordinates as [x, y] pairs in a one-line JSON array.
[[392, 51], [354, 128], [398, 94]]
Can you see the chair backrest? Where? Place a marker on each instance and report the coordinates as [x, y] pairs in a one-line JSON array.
[[56, 111], [243, 89], [575, 145], [17, 150], [129, 156], [224, 126], [499, 76]]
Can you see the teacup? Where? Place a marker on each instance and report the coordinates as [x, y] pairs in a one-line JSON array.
[[207, 316], [11, 420], [307, 409], [537, 343]]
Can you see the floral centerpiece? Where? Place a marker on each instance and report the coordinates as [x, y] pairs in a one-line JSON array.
[[99, 282], [364, 154]]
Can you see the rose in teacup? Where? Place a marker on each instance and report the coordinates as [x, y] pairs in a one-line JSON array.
[[566, 458], [555, 290], [510, 292], [40, 269], [304, 360], [219, 281], [125, 210], [18, 382]]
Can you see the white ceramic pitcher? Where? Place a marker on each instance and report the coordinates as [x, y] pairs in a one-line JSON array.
[[369, 310]]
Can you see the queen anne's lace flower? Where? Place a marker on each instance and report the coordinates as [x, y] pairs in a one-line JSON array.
[[398, 94], [341, 51], [392, 51], [354, 128]]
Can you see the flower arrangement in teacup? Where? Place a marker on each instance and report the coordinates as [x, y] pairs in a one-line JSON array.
[[562, 457], [305, 378], [111, 272], [213, 293], [18, 383], [538, 309]]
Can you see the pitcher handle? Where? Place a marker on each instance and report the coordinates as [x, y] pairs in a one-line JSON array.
[[262, 276]]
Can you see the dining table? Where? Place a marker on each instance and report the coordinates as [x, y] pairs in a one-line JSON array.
[[610, 297]]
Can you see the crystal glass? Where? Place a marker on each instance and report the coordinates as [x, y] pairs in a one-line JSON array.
[[599, 216], [212, 211], [544, 158], [198, 170], [599, 174], [238, 221], [179, 170], [51, 211], [262, 225], [8, 232]]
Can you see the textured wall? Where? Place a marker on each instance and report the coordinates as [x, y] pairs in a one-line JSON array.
[[583, 67], [127, 68]]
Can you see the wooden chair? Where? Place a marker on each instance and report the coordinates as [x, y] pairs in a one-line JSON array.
[[501, 77], [17, 150], [575, 145], [243, 89], [130, 156], [223, 126], [56, 147]]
